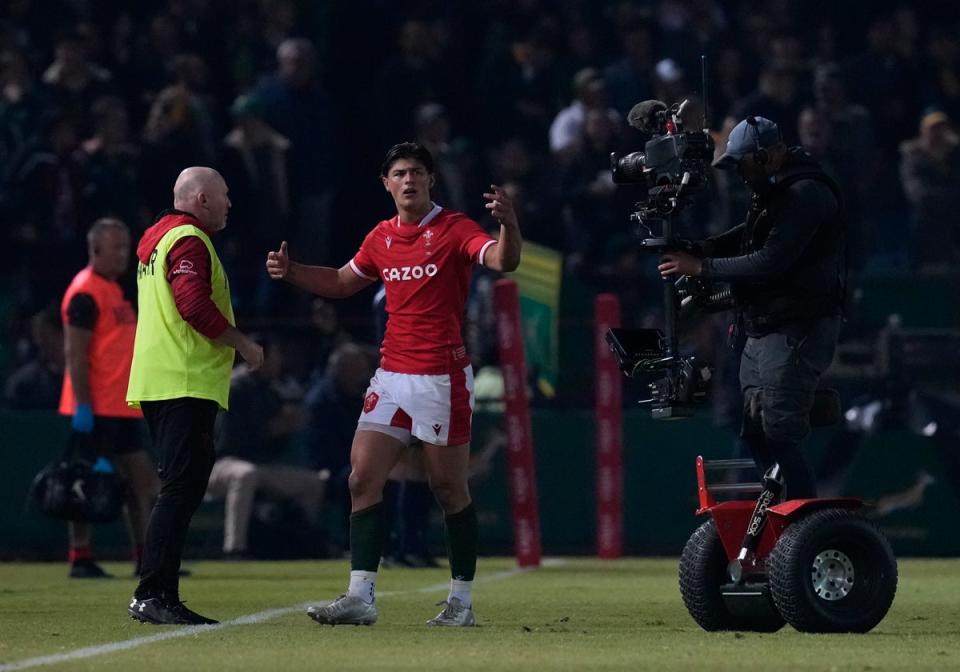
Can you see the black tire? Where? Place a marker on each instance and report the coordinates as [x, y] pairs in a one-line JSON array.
[[703, 570], [833, 571]]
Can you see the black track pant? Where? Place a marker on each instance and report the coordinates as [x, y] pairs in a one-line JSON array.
[[182, 433]]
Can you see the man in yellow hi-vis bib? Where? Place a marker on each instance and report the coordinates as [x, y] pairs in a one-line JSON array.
[[180, 377]]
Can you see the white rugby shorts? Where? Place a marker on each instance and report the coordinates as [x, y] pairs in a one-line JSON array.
[[436, 409]]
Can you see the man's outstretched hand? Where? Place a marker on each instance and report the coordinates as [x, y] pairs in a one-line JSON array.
[[278, 263]]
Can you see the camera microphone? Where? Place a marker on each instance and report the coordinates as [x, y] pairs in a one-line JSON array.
[[643, 116]]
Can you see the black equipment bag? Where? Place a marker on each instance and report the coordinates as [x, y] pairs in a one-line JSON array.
[[69, 488]]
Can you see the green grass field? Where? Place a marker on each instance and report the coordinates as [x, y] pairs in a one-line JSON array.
[[572, 614]]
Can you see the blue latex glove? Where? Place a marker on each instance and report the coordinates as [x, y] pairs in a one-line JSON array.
[[82, 421], [103, 465]]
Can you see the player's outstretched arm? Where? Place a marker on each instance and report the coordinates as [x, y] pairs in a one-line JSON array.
[[330, 283], [504, 255]]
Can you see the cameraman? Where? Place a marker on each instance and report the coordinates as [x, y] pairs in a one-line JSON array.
[[785, 266]]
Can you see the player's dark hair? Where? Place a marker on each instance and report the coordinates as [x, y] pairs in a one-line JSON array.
[[407, 150]]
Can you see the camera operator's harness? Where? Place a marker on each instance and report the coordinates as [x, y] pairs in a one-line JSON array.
[[757, 219]]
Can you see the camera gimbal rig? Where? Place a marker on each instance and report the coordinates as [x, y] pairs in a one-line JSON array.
[[642, 352], [673, 167]]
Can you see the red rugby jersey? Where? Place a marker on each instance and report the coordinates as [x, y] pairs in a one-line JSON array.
[[425, 267]]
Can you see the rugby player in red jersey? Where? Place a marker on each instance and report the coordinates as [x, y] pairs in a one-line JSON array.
[[424, 386]]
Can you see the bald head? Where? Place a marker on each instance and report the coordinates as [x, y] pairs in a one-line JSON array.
[[192, 181], [202, 192]]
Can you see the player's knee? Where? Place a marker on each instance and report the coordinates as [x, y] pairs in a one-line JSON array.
[[451, 494], [362, 484]]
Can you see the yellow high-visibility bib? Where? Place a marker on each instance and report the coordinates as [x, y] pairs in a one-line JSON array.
[[171, 359]]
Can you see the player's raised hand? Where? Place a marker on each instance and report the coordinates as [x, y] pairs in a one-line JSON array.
[[501, 206], [278, 263]]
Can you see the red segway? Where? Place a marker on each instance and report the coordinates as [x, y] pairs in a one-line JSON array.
[[817, 564]]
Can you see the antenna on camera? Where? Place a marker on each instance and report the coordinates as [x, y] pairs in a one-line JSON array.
[[703, 80]]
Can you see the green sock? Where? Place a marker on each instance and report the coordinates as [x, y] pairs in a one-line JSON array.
[[366, 538], [463, 538]]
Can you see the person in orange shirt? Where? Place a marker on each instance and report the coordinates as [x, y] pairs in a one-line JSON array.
[[99, 326]]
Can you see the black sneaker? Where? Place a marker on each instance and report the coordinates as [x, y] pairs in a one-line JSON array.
[[193, 617], [87, 569], [155, 611], [182, 572]]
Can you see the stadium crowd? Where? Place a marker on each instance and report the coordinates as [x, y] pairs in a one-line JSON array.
[[294, 102]]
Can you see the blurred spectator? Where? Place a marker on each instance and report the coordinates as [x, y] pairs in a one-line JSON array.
[[580, 49], [776, 97], [480, 321], [786, 50], [154, 54], [628, 78], [120, 51], [43, 206], [178, 132], [942, 78], [591, 218], [249, 52], [298, 107], [419, 71], [669, 82], [251, 443], [815, 137], [74, 81], [727, 83], [885, 80], [930, 171], [21, 104], [36, 383], [331, 405], [823, 141], [325, 333], [254, 161], [279, 20], [535, 190], [520, 90], [408, 502], [854, 156], [110, 161], [687, 29], [453, 162], [567, 130], [850, 122]]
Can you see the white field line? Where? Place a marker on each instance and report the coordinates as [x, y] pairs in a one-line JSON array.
[[249, 619]]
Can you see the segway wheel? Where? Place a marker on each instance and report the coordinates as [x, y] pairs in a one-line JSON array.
[[832, 571], [703, 572]]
